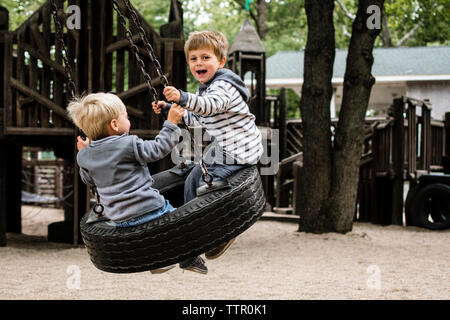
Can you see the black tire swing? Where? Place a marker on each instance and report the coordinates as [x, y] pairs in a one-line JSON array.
[[220, 212]]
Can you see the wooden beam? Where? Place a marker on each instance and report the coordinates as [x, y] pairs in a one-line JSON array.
[[40, 131], [124, 43], [168, 60], [36, 162], [39, 40], [135, 112], [56, 66], [7, 98], [139, 88], [41, 99], [178, 44], [149, 134]]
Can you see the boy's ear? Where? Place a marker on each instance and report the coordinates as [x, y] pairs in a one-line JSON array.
[[222, 62], [114, 125]]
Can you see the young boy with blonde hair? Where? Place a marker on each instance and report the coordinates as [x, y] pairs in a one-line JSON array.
[[220, 106], [116, 162]]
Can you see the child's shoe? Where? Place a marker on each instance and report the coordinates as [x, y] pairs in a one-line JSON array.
[[162, 270], [196, 264], [218, 251]]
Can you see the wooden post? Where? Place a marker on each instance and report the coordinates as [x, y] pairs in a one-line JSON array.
[[426, 136], [77, 186], [3, 193], [282, 123], [446, 158], [398, 151], [412, 139], [8, 65], [46, 71], [5, 60], [13, 186], [376, 191]]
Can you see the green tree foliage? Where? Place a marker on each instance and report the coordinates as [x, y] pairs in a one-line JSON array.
[[20, 10], [405, 23]]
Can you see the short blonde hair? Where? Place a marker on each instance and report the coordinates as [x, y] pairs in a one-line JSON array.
[[93, 113], [207, 39]]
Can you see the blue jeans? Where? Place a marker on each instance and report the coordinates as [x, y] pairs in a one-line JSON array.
[[216, 166], [166, 208]]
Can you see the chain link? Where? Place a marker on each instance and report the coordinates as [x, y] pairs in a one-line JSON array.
[[135, 50], [207, 177], [60, 38], [147, 45]]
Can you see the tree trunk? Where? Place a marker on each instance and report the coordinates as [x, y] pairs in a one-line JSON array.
[[261, 8], [329, 178], [358, 82], [317, 91]]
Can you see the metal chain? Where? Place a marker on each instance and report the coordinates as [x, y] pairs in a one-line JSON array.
[[206, 176], [147, 45], [60, 38], [135, 50]]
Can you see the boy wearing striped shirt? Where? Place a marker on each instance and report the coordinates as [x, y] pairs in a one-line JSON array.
[[220, 107]]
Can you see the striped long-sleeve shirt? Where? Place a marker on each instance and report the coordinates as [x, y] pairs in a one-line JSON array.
[[220, 107]]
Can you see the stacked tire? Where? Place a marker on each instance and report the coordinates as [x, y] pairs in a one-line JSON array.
[[428, 206]]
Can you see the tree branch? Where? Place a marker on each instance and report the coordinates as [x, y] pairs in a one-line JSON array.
[[385, 34], [254, 17], [345, 31], [407, 36], [346, 12]]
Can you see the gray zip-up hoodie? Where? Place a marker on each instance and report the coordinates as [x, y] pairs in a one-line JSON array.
[[117, 166]]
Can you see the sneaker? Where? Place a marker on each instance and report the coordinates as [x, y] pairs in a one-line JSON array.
[[217, 252], [162, 270], [196, 264]]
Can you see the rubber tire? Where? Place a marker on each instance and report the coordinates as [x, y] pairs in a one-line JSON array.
[[434, 200], [62, 232], [412, 192], [193, 229]]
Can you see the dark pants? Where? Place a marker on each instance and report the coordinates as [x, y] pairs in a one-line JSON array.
[[219, 171]]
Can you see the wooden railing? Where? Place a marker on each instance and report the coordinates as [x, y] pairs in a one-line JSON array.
[[398, 147]]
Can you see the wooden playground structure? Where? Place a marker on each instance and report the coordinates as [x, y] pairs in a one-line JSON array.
[[33, 93], [34, 89]]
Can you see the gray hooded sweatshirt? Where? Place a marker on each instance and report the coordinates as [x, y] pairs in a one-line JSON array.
[[117, 166]]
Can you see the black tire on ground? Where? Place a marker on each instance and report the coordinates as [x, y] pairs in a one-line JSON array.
[[412, 192], [61, 231], [194, 228], [431, 207]]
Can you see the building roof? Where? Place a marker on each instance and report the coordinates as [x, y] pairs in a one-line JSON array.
[[247, 39], [395, 64]]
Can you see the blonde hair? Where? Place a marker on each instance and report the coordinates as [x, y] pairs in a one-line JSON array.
[[207, 39], [93, 113]]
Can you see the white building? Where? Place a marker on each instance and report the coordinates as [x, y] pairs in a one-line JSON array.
[[417, 72]]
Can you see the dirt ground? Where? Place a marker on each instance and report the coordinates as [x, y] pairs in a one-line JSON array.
[[269, 261]]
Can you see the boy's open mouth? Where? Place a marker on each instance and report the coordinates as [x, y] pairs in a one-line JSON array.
[[201, 72]]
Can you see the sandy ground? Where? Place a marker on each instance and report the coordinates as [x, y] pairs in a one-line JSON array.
[[269, 261]]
